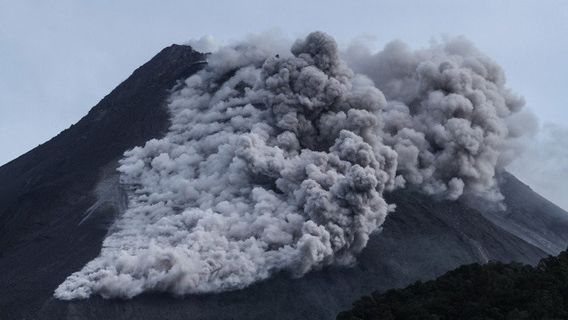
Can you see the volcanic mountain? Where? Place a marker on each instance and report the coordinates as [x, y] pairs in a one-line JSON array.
[[58, 201]]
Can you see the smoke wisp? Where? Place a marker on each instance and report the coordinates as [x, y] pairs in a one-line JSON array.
[[550, 151], [277, 159]]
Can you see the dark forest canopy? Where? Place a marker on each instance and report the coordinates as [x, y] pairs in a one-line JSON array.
[[492, 291]]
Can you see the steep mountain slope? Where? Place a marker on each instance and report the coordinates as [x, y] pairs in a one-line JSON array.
[[44, 193], [57, 201]]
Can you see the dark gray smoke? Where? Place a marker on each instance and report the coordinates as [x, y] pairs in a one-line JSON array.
[[277, 160], [449, 116]]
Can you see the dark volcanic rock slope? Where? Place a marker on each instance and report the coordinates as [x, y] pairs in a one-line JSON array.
[[45, 193], [57, 201]]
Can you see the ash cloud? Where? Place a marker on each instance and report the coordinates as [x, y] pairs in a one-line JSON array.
[[450, 118], [279, 154]]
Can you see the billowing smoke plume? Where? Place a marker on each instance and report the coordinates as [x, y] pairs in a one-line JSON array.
[[449, 116], [277, 160]]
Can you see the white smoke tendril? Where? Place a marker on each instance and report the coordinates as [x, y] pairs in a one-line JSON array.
[[277, 161]]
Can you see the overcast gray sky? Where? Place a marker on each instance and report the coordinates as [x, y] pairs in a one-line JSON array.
[[59, 58]]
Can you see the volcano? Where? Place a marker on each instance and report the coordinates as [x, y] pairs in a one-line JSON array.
[[58, 201]]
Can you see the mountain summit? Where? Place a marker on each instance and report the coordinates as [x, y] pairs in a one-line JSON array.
[[58, 201]]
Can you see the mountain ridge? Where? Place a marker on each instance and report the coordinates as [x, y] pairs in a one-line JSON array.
[[61, 174], [58, 200]]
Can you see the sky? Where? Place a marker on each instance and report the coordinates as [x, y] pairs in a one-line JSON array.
[[59, 58]]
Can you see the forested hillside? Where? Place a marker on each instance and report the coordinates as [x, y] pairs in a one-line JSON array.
[[492, 291]]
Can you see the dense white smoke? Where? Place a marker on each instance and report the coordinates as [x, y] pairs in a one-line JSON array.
[[277, 160]]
